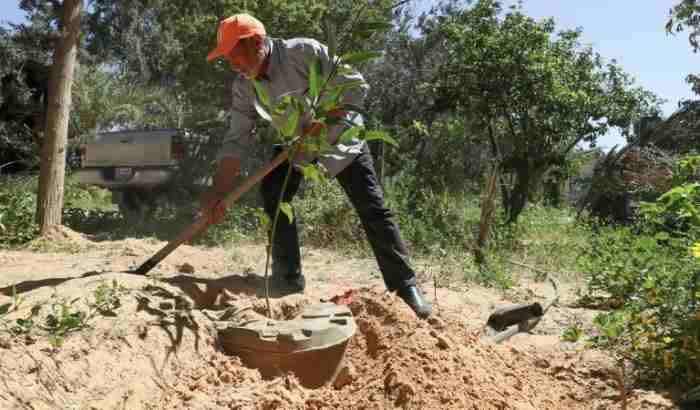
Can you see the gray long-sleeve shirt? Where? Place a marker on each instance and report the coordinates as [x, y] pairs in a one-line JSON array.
[[288, 73]]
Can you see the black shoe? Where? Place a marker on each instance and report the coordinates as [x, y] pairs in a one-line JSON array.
[[294, 284], [414, 299], [289, 278]]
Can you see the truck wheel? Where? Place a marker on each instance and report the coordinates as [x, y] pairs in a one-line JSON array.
[[135, 204]]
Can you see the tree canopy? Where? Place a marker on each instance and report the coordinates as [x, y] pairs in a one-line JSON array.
[[535, 92]]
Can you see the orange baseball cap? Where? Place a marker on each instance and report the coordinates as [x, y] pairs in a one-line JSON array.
[[233, 29]]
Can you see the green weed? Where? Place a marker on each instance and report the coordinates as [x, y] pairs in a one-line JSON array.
[[573, 333], [64, 317], [107, 299]]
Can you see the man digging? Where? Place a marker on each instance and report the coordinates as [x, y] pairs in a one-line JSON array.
[[282, 67]]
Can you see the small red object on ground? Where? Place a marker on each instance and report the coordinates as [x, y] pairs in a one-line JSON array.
[[343, 299]]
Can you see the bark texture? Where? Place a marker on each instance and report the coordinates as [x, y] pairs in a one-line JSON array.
[[53, 150]]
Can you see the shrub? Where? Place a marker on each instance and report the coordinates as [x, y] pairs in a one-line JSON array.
[[431, 219], [652, 279], [18, 206], [17, 209], [653, 282]]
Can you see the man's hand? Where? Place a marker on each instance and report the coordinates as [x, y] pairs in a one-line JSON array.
[[313, 129], [212, 206], [211, 201]]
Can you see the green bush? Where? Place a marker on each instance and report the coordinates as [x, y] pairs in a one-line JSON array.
[[649, 275], [87, 197], [652, 280], [327, 219], [544, 237], [17, 209], [431, 219], [18, 206], [623, 260]]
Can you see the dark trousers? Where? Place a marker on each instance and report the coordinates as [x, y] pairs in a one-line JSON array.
[[359, 181]]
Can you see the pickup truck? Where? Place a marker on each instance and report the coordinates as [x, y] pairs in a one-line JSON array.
[[136, 165]]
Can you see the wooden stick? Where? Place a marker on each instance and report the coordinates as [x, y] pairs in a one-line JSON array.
[[201, 224]]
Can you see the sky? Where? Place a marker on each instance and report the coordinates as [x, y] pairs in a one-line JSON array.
[[630, 31]]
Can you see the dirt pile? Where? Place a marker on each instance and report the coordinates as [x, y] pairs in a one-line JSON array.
[[397, 362], [59, 238], [157, 348]]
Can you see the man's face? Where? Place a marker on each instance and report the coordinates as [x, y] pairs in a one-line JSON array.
[[248, 56]]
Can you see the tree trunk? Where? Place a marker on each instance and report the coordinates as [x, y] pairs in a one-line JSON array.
[[519, 193], [53, 150]]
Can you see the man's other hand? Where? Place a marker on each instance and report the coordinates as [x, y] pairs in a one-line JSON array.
[[212, 206]]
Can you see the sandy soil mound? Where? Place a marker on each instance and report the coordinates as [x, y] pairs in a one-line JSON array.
[[59, 238], [398, 362], [155, 347]]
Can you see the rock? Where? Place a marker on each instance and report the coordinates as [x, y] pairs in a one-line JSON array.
[[346, 375], [226, 377], [436, 323], [183, 303], [442, 342], [542, 363], [166, 305], [142, 331], [5, 343], [186, 268], [644, 400]]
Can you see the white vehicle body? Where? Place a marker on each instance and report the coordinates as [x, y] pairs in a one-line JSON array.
[[131, 159]]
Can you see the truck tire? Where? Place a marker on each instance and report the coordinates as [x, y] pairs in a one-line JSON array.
[[136, 204]]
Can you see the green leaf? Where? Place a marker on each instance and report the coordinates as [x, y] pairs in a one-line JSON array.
[[286, 208], [315, 79], [375, 26], [291, 124], [649, 283], [349, 134], [56, 341], [5, 308], [311, 172], [362, 34], [380, 135], [360, 57], [345, 70], [662, 236], [331, 98], [342, 88], [262, 94]]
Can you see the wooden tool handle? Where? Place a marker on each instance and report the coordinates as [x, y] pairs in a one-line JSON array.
[[201, 224]]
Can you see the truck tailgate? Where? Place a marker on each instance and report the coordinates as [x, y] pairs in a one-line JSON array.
[[130, 148]]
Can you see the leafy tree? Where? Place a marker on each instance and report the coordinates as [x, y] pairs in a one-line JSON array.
[[686, 14], [24, 83], [103, 99], [537, 94], [439, 147]]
